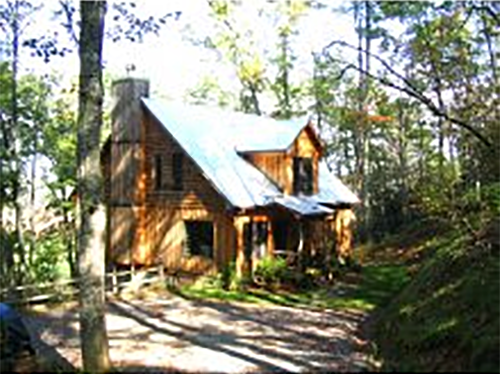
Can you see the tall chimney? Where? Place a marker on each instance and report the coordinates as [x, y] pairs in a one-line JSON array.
[[126, 134], [127, 193], [126, 114]]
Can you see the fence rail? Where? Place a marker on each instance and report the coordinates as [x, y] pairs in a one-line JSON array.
[[115, 282]]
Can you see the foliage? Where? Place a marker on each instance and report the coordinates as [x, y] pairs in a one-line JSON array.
[[424, 132], [209, 92], [373, 288], [272, 270], [230, 279], [49, 262], [447, 319]]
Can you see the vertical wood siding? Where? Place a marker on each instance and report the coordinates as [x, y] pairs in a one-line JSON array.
[[278, 166], [146, 224]]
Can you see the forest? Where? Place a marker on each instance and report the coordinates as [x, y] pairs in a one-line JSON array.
[[407, 105]]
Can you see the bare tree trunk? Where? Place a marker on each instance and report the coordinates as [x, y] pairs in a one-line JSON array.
[[403, 163], [19, 246], [366, 188], [255, 99], [90, 212], [3, 249], [32, 200]]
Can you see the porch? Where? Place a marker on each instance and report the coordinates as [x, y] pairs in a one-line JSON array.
[[299, 230]]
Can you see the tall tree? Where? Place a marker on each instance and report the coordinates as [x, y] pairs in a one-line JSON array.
[[14, 17], [90, 217], [239, 47], [287, 14]]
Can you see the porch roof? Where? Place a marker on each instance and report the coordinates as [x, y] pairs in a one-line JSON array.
[[303, 205]]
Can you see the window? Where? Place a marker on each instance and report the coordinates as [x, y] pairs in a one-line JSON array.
[[157, 172], [177, 171], [280, 234], [302, 175], [199, 238]]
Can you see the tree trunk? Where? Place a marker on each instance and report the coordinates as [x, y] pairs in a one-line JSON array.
[[255, 100], [90, 214], [32, 201], [3, 249], [16, 187], [366, 188]]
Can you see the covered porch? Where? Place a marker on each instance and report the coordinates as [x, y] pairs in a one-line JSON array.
[[298, 229]]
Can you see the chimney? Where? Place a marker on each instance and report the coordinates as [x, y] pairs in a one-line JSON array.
[[127, 172], [126, 114]]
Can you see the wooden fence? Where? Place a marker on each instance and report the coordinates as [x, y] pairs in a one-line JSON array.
[[115, 282]]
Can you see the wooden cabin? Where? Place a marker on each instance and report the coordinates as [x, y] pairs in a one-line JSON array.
[[195, 188]]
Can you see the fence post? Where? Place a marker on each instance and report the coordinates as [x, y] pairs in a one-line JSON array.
[[114, 281], [132, 272], [161, 273]]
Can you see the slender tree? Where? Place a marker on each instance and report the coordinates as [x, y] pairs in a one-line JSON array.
[[90, 217]]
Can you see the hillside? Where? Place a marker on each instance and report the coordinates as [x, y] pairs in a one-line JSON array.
[[447, 318]]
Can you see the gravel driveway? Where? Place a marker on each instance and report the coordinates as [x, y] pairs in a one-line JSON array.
[[169, 333]]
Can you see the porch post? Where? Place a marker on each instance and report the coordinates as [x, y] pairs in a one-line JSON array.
[[240, 255], [300, 247]]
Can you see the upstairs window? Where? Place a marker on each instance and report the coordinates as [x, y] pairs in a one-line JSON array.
[[157, 172], [177, 171], [302, 175], [199, 239]]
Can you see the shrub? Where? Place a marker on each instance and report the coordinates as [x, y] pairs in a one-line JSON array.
[[272, 270], [230, 280]]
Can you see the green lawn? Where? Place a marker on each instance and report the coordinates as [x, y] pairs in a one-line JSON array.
[[365, 290]]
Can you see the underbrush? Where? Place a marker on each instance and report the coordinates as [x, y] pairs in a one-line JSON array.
[[447, 319]]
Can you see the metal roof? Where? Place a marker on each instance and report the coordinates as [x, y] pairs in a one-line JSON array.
[[213, 137], [304, 205], [331, 189]]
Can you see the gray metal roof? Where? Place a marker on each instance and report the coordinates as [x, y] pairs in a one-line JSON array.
[[304, 205], [213, 137], [332, 190]]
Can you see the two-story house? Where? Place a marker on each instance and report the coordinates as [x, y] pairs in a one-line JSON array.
[[196, 187]]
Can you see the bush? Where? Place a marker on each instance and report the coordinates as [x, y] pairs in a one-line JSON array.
[[229, 278], [272, 270]]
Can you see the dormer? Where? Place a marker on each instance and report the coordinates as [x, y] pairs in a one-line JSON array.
[[293, 164]]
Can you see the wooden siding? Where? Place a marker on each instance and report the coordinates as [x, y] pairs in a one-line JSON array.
[[278, 166], [273, 164], [197, 192], [147, 225], [305, 145], [167, 238]]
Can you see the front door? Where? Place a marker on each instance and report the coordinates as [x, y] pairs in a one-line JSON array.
[[255, 241]]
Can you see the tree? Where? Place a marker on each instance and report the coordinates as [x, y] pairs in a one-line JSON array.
[[14, 17], [432, 128], [90, 217], [287, 15], [239, 47]]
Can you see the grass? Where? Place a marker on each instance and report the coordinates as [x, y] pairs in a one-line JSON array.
[[371, 287], [447, 318]]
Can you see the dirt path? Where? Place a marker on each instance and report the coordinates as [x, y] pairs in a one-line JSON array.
[[171, 333]]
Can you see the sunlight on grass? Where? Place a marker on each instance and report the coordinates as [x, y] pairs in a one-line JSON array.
[[371, 288], [447, 317]]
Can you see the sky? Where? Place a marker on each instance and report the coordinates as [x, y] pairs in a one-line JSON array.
[[170, 61]]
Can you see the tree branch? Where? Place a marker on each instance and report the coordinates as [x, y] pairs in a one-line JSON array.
[[490, 11], [68, 11], [408, 88]]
